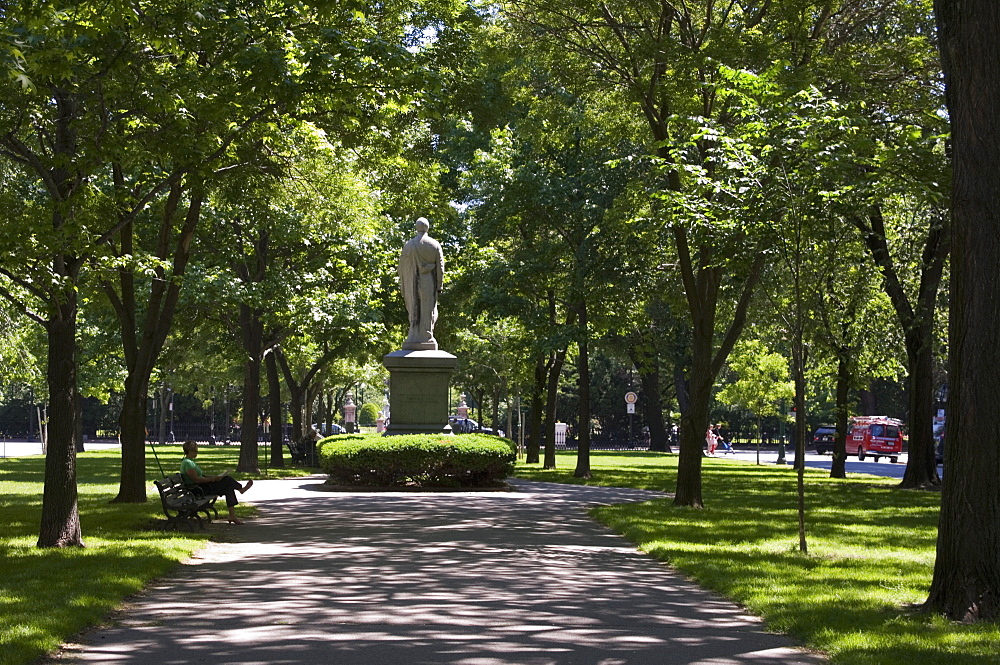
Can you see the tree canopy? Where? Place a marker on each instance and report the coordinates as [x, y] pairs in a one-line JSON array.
[[209, 198]]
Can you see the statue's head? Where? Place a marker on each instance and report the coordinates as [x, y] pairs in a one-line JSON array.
[[422, 225]]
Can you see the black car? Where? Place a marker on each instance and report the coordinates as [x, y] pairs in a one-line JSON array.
[[468, 426], [823, 439]]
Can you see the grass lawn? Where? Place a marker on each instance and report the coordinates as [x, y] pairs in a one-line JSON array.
[[854, 595], [46, 595]]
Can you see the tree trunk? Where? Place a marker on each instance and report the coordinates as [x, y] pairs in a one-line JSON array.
[[78, 434], [583, 370], [868, 402], [694, 424], [298, 391], [60, 524], [921, 466], [534, 446], [551, 399], [480, 400], [252, 334], [653, 411], [295, 407], [799, 370], [681, 388], [496, 409], [328, 415], [307, 416], [644, 358], [701, 285], [838, 466], [966, 581], [132, 421], [143, 336], [916, 320], [274, 407], [161, 423]]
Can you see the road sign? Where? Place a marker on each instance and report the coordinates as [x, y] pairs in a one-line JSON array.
[[630, 408], [631, 398]]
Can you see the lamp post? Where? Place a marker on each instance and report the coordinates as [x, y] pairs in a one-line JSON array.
[[383, 415], [385, 400], [172, 439], [161, 425], [781, 435], [228, 422], [211, 419]]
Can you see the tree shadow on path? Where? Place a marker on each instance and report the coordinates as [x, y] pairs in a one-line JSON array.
[[505, 578]]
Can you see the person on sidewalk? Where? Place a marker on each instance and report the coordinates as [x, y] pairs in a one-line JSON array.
[[711, 440], [192, 475], [726, 446]]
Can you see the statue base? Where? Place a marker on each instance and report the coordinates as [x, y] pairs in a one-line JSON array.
[[419, 346], [418, 391]]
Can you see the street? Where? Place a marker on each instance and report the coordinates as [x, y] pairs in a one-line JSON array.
[[881, 468]]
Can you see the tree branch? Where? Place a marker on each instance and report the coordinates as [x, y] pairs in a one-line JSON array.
[[740, 315], [873, 233], [21, 306]]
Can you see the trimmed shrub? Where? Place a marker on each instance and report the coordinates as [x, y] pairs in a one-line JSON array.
[[341, 438], [426, 460], [368, 414]]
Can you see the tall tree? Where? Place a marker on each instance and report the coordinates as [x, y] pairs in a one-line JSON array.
[[916, 318], [966, 582], [559, 171], [291, 256], [673, 64], [50, 131], [884, 73], [850, 317], [84, 85], [239, 55], [645, 357], [761, 381]]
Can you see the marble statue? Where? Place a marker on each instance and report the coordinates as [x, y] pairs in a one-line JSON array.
[[421, 272]]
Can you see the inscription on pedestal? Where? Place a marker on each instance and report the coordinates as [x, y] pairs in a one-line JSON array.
[[418, 391]]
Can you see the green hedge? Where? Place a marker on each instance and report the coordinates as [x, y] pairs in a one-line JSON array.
[[426, 460]]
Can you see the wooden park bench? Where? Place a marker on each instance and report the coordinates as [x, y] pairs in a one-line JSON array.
[[296, 451], [303, 452], [185, 505]]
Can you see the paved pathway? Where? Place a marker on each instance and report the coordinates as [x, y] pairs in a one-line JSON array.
[[499, 578]]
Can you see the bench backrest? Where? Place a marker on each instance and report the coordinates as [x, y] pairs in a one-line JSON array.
[[174, 494]]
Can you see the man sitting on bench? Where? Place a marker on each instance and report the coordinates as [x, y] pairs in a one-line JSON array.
[[191, 475]]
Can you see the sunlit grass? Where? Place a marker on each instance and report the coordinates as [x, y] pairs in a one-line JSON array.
[[855, 595], [46, 595]]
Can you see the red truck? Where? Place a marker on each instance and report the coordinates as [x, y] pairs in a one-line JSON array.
[[878, 436]]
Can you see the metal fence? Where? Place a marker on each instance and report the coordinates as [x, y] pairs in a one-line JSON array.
[[203, 433], [608, 442]]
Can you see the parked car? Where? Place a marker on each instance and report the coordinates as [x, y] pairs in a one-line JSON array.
[[823, 439], [467, 426], [878, 436], [328, 429]]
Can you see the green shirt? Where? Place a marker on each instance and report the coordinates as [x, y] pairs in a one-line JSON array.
[[188, 463]]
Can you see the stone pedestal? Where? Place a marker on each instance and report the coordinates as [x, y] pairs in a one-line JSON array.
[[418, 391]]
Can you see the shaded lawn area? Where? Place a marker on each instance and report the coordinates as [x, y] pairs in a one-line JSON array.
[[854, 595], [47, 595]]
